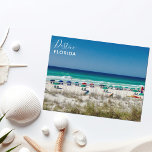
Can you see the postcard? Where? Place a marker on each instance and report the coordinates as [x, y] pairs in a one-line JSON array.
[[96, 78]]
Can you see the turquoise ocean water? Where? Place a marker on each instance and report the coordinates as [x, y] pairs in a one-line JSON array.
[[65, 74]]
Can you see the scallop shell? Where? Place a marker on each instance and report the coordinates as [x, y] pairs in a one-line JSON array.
[[21, 104], [80, 138], [60, 122], [24, 150], [9, 139]]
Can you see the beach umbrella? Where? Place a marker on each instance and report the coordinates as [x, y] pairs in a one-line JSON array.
[[110, 86], [141, 94], [135, 90], [132, 88], [60, 81], [52, 80], [116, 86], [76, 83], [91, 83], [102, 85], [126, 88], [105, 88], [68, 82], [83, 85], [4, 63], [120, 87], [56, 83]]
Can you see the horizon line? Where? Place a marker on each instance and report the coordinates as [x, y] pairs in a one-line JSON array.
[[99, 72]]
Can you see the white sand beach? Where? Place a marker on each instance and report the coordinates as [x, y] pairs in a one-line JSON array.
[[121, 104]]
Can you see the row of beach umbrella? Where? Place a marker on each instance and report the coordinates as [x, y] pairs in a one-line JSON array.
[[69, 82], [103, 86]]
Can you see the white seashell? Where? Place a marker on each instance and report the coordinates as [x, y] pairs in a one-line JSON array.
[[80, 138], [9, 138], [15, 46], [24, 150], [60, 122], [21, 104], [45, 130]]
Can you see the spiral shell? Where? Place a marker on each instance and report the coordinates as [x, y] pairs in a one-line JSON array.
[[21, 105]]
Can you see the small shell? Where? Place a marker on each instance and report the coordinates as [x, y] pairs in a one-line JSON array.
[[80, 138], [9, 139], [21, 105], [15, 46], [24, 150], [60, 122], [45, 130]]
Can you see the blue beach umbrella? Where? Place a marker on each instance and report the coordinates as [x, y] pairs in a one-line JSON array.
[[60, 81], [52, 80], [68, 82]]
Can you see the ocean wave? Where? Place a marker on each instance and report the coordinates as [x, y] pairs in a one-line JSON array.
[[59, 77]]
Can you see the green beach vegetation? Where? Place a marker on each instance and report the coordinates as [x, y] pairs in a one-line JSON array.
[[93, 104], [5, 136]]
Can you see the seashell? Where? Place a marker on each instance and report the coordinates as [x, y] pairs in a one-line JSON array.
[[21, 104], [15, 46], [24, 150], [80, 138], [9, 139], [45, 130], [60, 122]]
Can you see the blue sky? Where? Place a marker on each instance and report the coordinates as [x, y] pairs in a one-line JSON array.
[[100, 57]]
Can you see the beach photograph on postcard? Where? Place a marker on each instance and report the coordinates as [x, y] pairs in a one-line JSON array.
[[96, 78]]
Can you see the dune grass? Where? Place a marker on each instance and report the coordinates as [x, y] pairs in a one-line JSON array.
[[95, 105]]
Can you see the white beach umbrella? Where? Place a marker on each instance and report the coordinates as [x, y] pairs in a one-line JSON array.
[[4, 63]]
